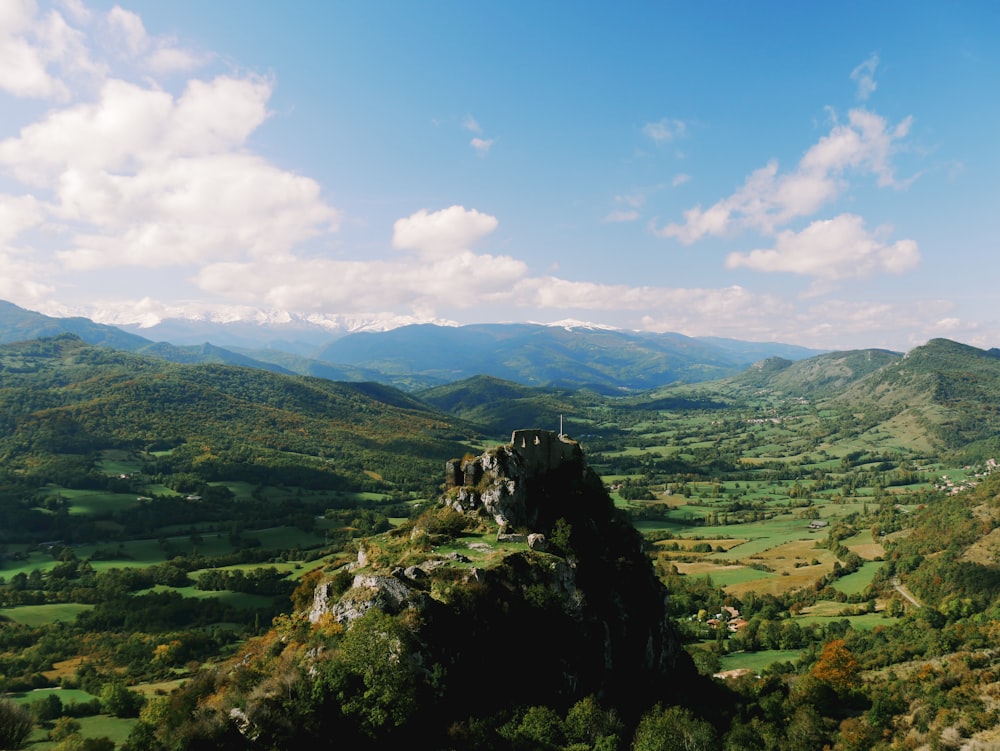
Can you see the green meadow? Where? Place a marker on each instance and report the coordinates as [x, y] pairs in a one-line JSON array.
[[43, 615], [759, 661]]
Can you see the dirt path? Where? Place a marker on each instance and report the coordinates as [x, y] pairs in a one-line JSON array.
[[905, 593]]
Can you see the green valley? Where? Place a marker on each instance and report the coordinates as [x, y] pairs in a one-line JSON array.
[[824, 528]]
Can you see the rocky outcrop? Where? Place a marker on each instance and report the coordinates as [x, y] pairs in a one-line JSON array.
[[387, 593], [580, 612], [498, 483]]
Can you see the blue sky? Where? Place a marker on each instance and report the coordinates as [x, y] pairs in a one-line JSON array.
[[799, 172]]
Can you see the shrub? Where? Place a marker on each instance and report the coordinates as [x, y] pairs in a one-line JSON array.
[[16, 724]]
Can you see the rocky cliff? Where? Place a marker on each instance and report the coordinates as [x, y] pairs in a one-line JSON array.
[[578, 612]]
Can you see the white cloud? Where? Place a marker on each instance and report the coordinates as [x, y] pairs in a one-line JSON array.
[[769, 200], [482, 145], [141, 178], [680, 179], [17, 214], [441, 233], [167, 59], [77, 10], [665, 130], [834, 249], [194, 210], [864, 76], [698, 223], [22, 281], [160, 54], [22, 275], [24, 54], [865, 143], [128, 30], [131, 126], [459, 280]]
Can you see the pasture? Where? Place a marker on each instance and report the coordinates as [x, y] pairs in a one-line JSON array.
[[43, 615], [758, 661], [66, 695], [857, 582], [97, 726]]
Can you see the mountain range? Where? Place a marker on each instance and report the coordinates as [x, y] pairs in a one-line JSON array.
[[424, 355]]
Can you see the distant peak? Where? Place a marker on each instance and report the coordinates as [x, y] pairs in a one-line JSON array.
[[571, 323]]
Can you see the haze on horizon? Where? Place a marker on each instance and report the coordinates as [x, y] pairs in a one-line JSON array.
[[818, 176]]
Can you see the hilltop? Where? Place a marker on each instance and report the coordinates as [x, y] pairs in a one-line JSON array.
[[478, 622]]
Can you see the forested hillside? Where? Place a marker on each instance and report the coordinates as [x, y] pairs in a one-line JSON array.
[[62, 402]]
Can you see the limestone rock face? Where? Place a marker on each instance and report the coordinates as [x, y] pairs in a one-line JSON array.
[[387, 593], [498, 482]]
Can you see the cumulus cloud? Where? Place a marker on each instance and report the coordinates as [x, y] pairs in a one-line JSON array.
[[28, 45], [832, 249], [864, 76], [42, 54], [130, 127], [665, 130], [768, 199], [194, 211], [442, 233], [144, 178]]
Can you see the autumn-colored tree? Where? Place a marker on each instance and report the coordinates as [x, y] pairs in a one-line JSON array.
[[837, 666]]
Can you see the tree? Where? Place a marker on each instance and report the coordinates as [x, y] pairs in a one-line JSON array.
[[837, 666], [376, 649], [673, 729], [707, 661], [49, 708], [805, 730], [16, 724], [588, 723], [117, 700], [540, 728]]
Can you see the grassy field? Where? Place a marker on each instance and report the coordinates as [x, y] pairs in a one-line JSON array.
[[235, 599], [119, 462], [66, 695], [98, 726], [42, 615], [96, 502], [734, 577], [865, 622], [757, 661], [857, 582]]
